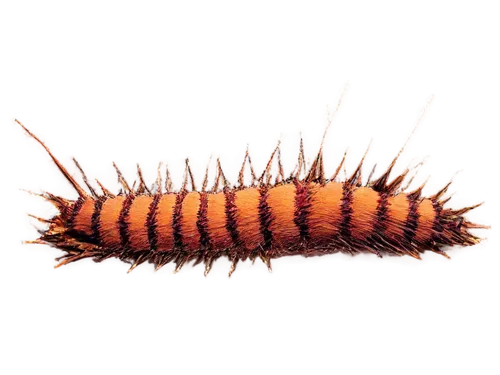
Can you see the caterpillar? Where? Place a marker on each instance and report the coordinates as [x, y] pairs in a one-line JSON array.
[[309, 215]]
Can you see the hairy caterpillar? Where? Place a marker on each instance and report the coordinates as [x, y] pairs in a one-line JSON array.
[[312, 215]]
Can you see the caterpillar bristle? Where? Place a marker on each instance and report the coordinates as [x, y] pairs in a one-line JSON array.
[[168, 181], [394, 168], [266, 260], [35, 222], [188, 175], [105, 192], [413, 182], [331, 114], [122, 185], [449, 196], [36, 139], [157, 188], [449, 183], [318, 169], [207, 271], [470, 225], [42, 195], [142, 188], [241, 183], [181, 259], [231, 269], [315, 170], [422, 114], [418, 191], [359, 176], [69, 259], [344, 168], [297, 154], [461, 210], [140, 259], [266, 175]]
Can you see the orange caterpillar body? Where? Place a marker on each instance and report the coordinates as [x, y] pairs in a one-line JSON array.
[[323, 226], [306, 216]]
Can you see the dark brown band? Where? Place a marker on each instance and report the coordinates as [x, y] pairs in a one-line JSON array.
[[437, 228], [231, 210], [302, 209], [382, 215], [202, 222], [411, 224], [177, 220], [123, 221], [346, 210], [265, 218], [96, 218], [152, 222], [77, 206]]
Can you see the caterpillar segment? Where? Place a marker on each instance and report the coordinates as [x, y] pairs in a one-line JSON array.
[[226, 217]]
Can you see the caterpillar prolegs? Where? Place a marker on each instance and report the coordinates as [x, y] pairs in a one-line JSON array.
[[305, 214]]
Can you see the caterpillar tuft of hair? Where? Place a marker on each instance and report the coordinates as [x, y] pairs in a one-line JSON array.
[[305, 214]]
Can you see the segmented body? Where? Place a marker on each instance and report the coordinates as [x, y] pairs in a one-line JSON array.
[[306, 216], [277, 220]]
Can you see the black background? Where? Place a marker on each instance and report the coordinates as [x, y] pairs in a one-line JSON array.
[[96, 105]]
